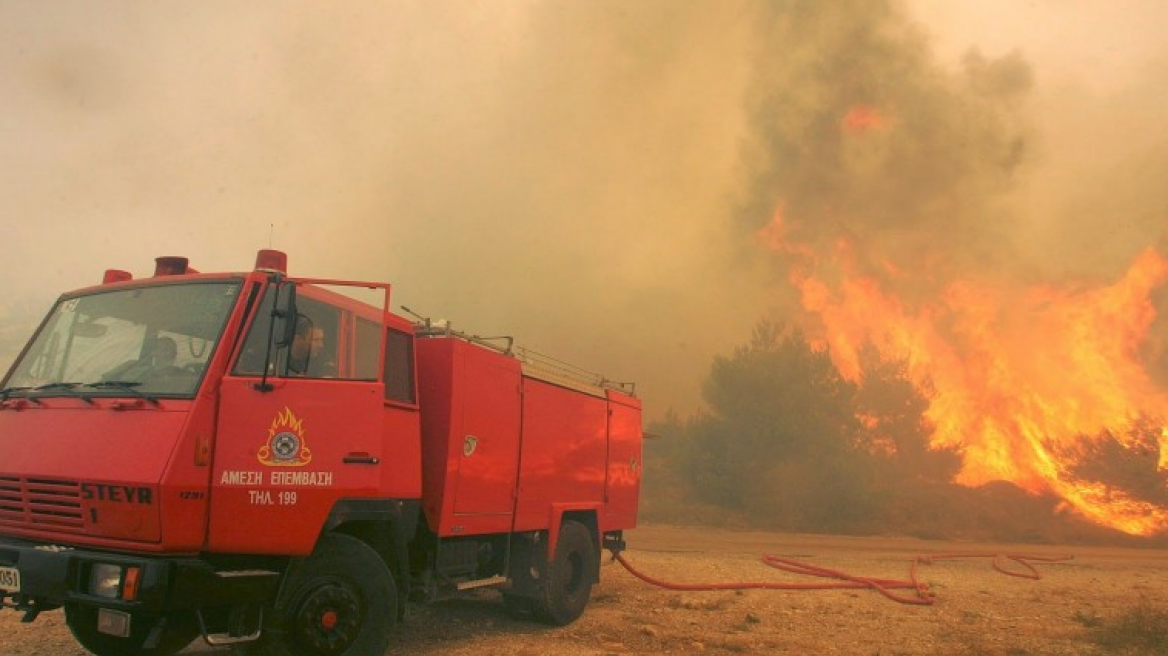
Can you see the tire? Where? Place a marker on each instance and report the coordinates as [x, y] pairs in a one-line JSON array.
[[177, 632], [341, 601], [566, 583]]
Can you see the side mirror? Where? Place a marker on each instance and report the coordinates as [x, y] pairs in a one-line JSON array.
[[284, 315], [281, 326]]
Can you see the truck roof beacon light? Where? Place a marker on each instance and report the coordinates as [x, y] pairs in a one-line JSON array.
[[170, 265], [116, 275], [271, 260]]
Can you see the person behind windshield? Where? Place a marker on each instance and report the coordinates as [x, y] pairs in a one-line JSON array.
[[165, 352], [157, 362]]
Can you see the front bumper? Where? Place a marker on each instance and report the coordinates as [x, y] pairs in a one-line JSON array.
[[51, 576]]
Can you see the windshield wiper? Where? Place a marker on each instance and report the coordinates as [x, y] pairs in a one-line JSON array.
[[6, 394], [125, 385], [64, 387]]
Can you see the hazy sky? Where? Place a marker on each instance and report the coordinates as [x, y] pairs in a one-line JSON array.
[[571, 173]]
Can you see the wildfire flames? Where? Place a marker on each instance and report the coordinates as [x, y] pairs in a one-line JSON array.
[[861, 118], [1024, 380]]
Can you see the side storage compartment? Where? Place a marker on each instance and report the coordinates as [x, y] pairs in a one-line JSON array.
[[622, 487], [470, 398]]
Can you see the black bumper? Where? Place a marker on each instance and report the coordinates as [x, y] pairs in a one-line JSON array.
[[53, 575]]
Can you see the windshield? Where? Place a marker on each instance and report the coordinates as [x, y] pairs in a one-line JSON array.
[[148, 340]]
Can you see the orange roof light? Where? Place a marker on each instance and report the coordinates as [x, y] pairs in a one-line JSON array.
[[271, 260], [116, 275]]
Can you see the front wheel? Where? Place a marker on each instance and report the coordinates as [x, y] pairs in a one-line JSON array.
[[566, 583], [341, 601], [149, 636]]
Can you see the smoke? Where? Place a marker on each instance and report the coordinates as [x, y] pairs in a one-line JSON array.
[[588, 177], [864, 137], [550, 171], [876, 153], [920, 206]]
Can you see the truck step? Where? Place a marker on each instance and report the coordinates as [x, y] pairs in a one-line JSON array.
[[245, 626], [244, 573], [225, 639], [481, 583]]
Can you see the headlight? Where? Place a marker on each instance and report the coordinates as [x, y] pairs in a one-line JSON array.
[[105, 580]]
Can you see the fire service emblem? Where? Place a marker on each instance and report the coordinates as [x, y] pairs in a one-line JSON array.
[[285, 446]]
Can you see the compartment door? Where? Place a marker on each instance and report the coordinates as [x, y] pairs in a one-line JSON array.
[[488, 466]]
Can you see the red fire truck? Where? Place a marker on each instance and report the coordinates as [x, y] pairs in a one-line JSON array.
[[277, 464]]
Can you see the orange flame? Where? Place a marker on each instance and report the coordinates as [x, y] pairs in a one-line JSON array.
[[1019, 376], [862, 118]]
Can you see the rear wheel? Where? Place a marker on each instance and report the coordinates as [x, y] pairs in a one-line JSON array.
[[149, 636], [340, 602], [566, 583]]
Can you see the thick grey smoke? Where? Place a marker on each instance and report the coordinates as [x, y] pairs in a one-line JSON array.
[[588, 177], [863, 136]]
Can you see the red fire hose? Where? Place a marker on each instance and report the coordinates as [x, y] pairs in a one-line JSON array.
[[922, 596]]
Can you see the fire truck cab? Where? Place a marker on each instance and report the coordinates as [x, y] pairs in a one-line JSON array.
[[279, 464]]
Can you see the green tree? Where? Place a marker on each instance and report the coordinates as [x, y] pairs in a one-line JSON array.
[[778, 433], [784, 398], [788, 442]]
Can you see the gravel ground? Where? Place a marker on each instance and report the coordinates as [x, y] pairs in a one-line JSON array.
[[977, 610]]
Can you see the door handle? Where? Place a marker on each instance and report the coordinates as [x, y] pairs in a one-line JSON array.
[[360, 459]]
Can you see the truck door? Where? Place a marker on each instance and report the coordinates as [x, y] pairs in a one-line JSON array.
[[292, 442]]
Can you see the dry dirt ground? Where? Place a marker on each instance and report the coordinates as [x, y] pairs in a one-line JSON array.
[[978, 611]]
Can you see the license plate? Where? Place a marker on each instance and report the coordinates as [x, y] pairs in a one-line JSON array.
[[9, 579]]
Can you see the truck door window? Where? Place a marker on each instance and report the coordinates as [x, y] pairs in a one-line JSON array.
[[368, 350], [315, 341], [399, 359], [399, 366], [313, 351]]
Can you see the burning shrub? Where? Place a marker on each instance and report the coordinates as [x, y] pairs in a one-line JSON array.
[[789, 444], [1126, 463]]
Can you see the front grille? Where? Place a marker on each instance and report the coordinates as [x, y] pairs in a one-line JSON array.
[[40, 503]]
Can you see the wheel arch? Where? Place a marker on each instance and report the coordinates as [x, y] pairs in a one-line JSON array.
[[585, 515], [386, 525]]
